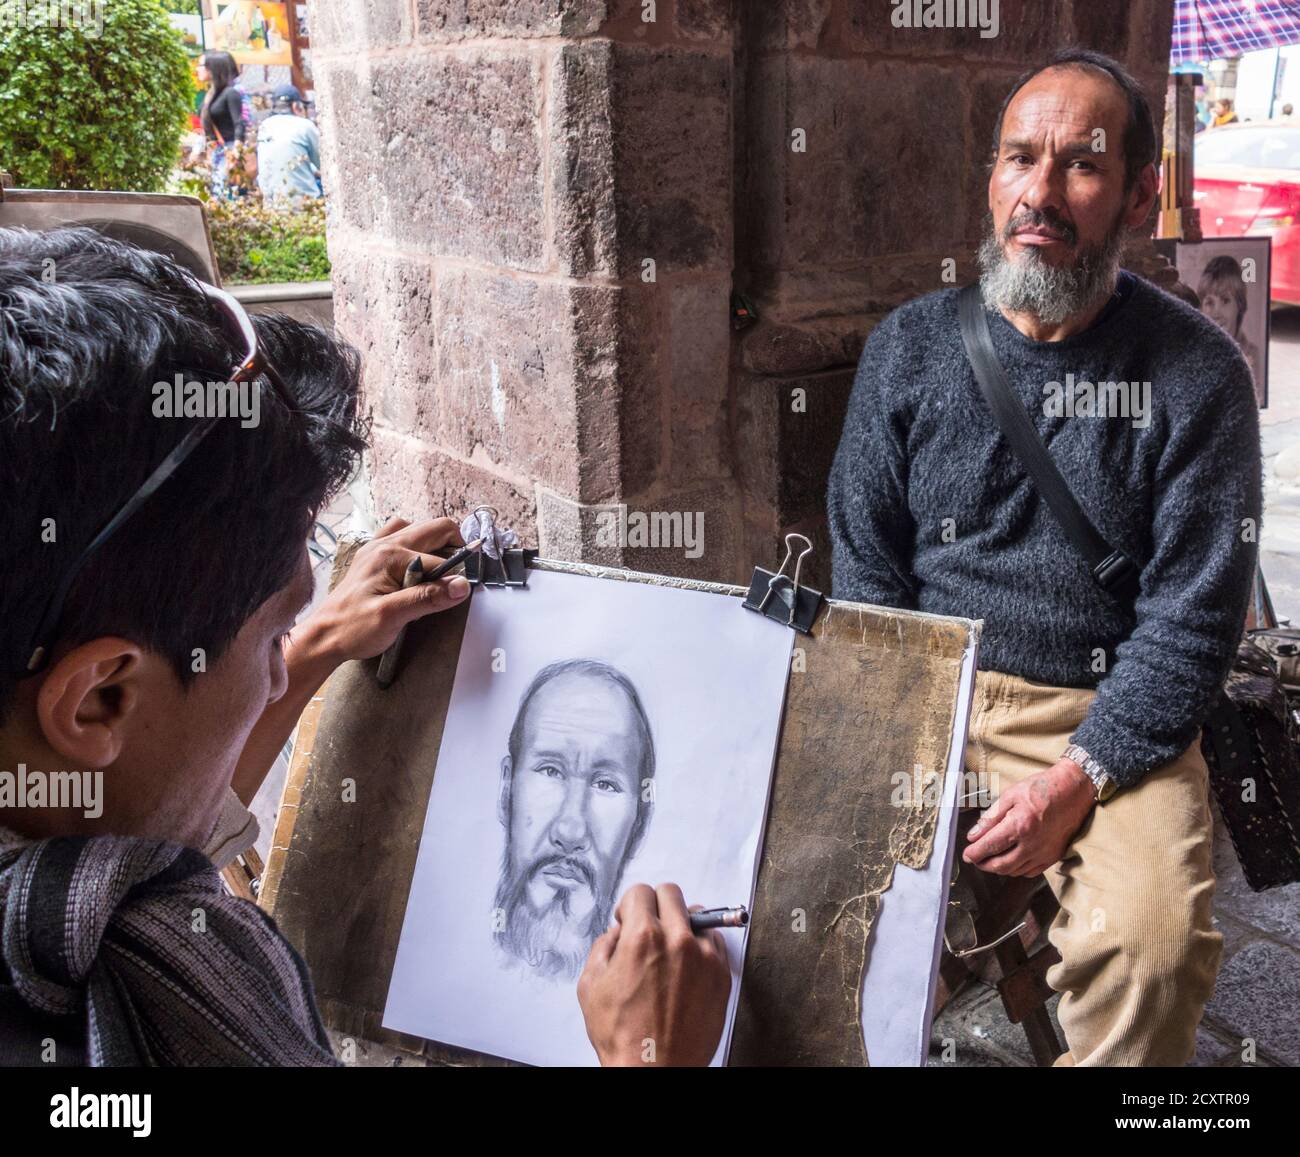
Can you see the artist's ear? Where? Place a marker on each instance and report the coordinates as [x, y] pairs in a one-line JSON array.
[[503, 795], [89, 698]]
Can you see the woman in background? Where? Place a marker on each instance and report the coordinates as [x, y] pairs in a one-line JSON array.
[[1224, 113], [222, 113]]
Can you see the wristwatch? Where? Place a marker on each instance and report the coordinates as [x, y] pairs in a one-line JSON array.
[[1104, 787]]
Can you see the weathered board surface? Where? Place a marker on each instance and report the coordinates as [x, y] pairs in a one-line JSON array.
[[872, 693]]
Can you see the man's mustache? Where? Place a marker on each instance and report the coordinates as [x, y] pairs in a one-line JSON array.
[[574, 863], [1039, 219]]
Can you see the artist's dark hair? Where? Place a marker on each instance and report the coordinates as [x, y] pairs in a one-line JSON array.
[[615, 676], [1139, 129], [88, 325]]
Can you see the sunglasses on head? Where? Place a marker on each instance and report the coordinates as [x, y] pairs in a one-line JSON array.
[[252, 365]]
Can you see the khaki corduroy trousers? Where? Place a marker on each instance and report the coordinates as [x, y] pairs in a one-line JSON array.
[[1139, 953]]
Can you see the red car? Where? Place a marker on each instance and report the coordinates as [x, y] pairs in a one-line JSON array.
[[1248, 182]]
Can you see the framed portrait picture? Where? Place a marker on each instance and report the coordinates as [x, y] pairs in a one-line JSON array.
[[1231, 278]]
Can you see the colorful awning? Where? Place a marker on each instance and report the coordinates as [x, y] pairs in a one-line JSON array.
[[1213, 29]]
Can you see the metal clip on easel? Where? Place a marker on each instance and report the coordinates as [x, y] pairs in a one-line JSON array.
[[794, 605], [497, 564]]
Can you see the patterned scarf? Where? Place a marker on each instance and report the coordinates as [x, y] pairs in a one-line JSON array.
[[140, 941]]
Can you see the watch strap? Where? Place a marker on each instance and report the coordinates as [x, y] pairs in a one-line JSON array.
[[1103, 785]]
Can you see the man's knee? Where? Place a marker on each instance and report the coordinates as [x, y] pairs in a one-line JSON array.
[[1157, 930]]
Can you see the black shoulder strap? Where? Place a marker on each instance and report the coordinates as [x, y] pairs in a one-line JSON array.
[[1113, 570]]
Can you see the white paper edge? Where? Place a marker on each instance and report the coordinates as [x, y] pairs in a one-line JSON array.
[[723, 1054], [905, 979]]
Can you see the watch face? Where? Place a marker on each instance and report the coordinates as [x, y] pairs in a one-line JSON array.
[[1106, 789]]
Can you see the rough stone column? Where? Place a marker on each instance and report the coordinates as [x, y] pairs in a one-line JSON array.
[[539, 210], [530, 220]]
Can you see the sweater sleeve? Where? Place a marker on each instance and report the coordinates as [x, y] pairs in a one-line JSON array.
[[870, 522], [1194, 590]]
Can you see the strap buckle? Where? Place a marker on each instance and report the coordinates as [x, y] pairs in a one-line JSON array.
[[1115, 572]]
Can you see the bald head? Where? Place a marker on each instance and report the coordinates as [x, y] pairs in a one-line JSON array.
[[1113, 93]]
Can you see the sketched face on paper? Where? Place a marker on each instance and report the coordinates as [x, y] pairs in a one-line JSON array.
[[572, 808]]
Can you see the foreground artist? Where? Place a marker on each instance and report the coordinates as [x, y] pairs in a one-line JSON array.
[[1087, 710], [172, 667]]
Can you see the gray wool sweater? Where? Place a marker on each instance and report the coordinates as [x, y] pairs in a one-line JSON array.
[[930, 510]]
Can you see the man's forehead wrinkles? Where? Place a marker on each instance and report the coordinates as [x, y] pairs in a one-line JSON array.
[[1061, 113], [1063, 142], [574, 723], [1033, 122]]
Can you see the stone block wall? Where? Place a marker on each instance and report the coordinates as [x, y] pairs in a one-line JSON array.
[[539, 211]]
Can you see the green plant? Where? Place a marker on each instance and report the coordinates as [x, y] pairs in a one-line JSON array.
[[258, 244], [97, 100]]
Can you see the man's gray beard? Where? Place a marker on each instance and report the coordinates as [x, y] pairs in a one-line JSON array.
[[530, 936], [1046, 292]]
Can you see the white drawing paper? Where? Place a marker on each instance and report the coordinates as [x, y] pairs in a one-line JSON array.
[[600, 733]]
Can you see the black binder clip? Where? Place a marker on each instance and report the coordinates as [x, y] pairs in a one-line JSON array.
[[510, 570], [794, 605]]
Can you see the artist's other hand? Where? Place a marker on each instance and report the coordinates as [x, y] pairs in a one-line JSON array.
[[1029, 827], [360, 617], [653, 992]]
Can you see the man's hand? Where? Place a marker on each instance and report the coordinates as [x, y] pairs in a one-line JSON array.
[[357, 620], [1032, 823], [360, 617], [653, 992]]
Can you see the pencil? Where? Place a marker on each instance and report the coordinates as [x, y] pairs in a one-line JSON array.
[[720, 918], [456, 559], [413, 577]]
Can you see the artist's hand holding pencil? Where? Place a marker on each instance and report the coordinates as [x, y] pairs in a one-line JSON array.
[[654, 992], [359, 619], [363, 615]]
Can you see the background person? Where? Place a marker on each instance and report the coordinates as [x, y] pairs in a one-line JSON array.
[[222, 113], [1224, 114], [288, 150]]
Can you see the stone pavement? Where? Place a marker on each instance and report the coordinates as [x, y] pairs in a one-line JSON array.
[[1257, 997]]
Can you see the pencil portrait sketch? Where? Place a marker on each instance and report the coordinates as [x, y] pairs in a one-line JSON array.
[[629, 738], [574, 803]]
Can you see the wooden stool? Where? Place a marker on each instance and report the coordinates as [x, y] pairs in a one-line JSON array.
[[1000, 909]]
